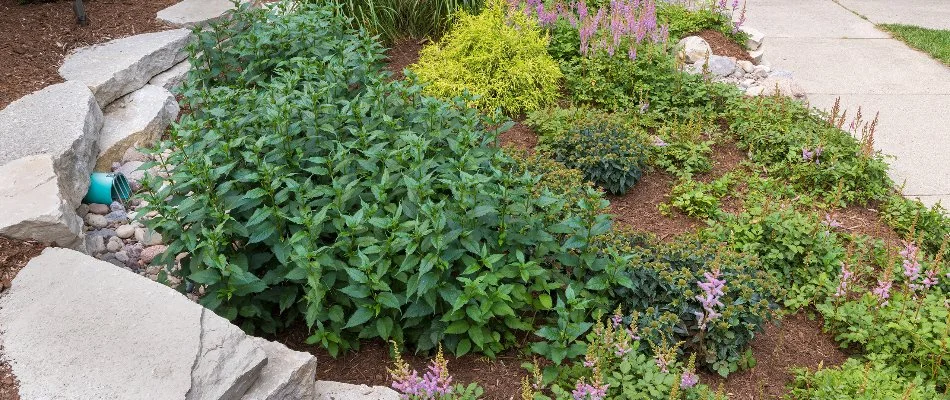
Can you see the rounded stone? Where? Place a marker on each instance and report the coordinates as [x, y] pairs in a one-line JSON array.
[[122, 256], [149, 253], [125, 231], [114, 245], [693, 49], [101, 209], [148, 237], [96, 221]]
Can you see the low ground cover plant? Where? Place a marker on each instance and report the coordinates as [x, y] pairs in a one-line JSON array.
[[498, 56], [857, 381]]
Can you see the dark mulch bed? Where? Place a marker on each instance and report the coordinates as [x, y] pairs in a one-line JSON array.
[[501, 377], [14, 255], [722, 45], [34, 38], [797, 342], [638, 209], [519, 137], [403, 53]]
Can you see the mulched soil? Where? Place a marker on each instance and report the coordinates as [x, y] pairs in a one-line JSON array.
[[34, 38], [797, 342], [501, 377], [722, 45], [403, 53], [520, 137], [14, 255]]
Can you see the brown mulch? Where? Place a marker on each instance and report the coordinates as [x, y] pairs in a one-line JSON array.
[[722, 45], [403, 53], [520, 137], [639, 208], [14, 255], [501, 377], [797, 342], [35, 37], [866, 220]]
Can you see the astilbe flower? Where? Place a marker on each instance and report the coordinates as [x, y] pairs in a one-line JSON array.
[[883, 290], [738, 24], [844, 280], [911, 265], [688, 380], [930, 279], [710, 298], [436, 383], [590, 391], [812, 155], [831, 222]]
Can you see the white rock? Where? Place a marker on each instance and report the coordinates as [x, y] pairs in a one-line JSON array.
[[757, 56], [32, 204], [119, 67], [134, 120], [78, 328], [721, 66], [62, 120], [747, 66], [288, 375], [754, 91], [693, 49], [191, 13], [125, 231], [782, 86], [172, 79], [756, 37], [328, 390]]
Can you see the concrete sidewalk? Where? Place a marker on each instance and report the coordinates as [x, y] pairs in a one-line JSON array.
[[835, 53]]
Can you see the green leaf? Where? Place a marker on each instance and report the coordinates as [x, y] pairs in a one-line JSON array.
[[457, 327], [358, 318]]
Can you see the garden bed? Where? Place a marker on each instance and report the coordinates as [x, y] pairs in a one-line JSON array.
[[37, 36]]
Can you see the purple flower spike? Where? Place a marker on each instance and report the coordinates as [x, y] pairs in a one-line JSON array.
[[688, 380]]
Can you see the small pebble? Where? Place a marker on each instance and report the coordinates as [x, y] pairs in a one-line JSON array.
[[96, 220], [151, 252], [122, 256], [116, 206], [101, 209], [106, 233], [148, 237], [95, 244], [117, 216], [114, 245], [125, 231]]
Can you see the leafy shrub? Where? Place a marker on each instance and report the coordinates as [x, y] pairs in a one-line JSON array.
[[313, 187], [857, 381], [556, 122], [553, 177], [799, 251], [501, 59], [684, 149], [929, 227], [810, 153], [682, 21], [666, 292], [910, 334], [697, 199], [609, 157], [395, 19]]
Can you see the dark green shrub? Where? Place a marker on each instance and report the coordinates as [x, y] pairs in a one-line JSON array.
[[396, 19], [929, 227], [498, 56], [778, 133], [798, 250], [665, 293], [313, 187], [857, 381], [609, 157]]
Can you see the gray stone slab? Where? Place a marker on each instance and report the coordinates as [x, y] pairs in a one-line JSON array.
[[135, 120], [328, 390], [74, 327], [63, 121], [912, 130], [933, 14], [172, 78], [289, 375], [119, 67], [32, 205], [876, 66], [191, 13], [807, 19]]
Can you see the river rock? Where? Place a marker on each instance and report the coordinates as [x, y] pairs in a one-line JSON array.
[[693, 49]]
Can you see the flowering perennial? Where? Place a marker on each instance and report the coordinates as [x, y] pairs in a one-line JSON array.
[[436, 383], [712, 291], [845, 280]]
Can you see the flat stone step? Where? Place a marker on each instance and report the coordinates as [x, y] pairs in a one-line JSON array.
[[119, 67], [32, 204], [172, 78], [62, 121], [289, 375], [328, 390], [192, 13], [78, 328], [136, 120]]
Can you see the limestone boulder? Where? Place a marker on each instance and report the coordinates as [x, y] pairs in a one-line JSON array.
[[137, 119], [119, 67], [693, 49], [172, 78], [756, 37], [288, 375], [327, 390], [722, 66], [33, 205], [192, 13], [782, 86], [74, 327], [61, 121]]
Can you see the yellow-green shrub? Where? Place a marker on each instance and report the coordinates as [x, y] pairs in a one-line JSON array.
[[501, 58]]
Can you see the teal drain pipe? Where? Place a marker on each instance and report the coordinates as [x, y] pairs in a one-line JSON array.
[[106, 187]]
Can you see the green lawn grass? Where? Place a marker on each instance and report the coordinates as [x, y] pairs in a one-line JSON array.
[[935, 42]]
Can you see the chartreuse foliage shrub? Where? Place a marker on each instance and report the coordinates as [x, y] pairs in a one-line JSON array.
[[803, 254], [499, 57], [312, 187], [811, 154], [857, 381]]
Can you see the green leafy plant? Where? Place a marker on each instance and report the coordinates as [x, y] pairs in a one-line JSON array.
[[499, 57], [396, 19], [307, 185], [857, 381], [609, 157], [698, 199], [683, 21], [911, 218]]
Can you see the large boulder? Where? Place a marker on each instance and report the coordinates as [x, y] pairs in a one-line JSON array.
[[135, 120], [119, 67], [289, 375], [722, 66], [32, 205], [172, 78], [756, 37], [74, 327], [62, 121], [328, 390], [783, 86], [693, 49], [192, 13]]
